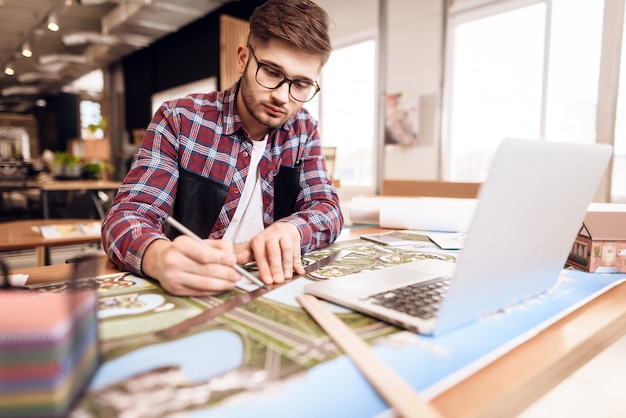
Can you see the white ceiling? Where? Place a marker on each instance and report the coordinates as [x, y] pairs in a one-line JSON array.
[[93, 33]]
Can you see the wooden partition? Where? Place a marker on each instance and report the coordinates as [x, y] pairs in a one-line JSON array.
[[90, 149], [233, 32], [431, 188]]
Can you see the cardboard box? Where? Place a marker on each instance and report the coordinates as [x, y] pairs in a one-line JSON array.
[[600, 246]]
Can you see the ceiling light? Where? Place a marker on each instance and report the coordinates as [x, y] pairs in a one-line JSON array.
[[34, 77], [138, 41], [26, 51], [54, 67], [16, 90], [67, 58], [80, 38], [53, 24], [9, 70]]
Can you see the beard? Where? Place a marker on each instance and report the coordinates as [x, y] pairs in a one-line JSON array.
[[256, 108]]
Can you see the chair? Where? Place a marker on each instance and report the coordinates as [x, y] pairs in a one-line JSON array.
[[330, 154]]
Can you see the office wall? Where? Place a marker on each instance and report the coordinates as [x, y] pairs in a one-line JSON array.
[[414, 65]]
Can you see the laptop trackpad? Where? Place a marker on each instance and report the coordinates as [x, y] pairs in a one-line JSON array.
[[391, 277], [431, 266]]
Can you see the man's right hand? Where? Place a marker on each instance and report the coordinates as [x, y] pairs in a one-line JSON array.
[[186, 267]]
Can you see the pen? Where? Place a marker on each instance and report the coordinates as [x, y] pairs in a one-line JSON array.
[[182, 228]]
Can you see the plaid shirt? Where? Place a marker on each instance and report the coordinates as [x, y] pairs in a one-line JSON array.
[[203, 134]]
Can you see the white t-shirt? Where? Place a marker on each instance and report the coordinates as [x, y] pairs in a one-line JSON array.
[[248, 219]]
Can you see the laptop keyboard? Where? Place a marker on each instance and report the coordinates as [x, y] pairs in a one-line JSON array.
[[422, 300]]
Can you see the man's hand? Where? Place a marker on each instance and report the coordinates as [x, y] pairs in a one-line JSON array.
[[276, 251], [186, 267]]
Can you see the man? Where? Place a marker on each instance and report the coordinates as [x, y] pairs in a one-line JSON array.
[[240, 166]]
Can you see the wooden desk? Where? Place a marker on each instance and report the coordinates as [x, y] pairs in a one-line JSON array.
[[19, 235], [512, 383], [80, 185], [75, 185]]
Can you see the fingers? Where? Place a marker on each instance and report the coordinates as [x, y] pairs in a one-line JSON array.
[[277, 252], [257, 246], [298, 268], [205, 283], [189, 268], [221, 251], [243, 252]]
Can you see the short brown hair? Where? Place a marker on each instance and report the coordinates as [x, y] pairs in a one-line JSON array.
[[302, 23]]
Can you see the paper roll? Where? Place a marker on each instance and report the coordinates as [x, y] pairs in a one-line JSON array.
[[422, 213], [366, 210]]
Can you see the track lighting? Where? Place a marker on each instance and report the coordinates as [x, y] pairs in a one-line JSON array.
[[53, 25], [26, 51]]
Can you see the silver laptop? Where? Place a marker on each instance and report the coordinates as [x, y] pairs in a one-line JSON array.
[[529, 211]]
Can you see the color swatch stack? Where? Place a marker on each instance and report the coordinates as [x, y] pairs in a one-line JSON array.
[[48, 351]]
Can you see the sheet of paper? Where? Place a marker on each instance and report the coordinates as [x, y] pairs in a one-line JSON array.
[[70, 230], [18, 280], [448, 240]]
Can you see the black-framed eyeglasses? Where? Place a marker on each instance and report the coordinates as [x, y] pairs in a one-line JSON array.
[[272, 78]]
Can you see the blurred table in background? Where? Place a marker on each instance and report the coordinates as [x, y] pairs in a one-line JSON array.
[[89, 186], [26, 234]]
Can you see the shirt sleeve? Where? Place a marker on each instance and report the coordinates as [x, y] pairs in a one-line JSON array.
[[318, 214], [137, 214]]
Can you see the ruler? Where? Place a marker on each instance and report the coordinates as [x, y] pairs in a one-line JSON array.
[[241, 299]]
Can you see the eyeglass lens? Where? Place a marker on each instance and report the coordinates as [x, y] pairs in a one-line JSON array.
[[272, 78]]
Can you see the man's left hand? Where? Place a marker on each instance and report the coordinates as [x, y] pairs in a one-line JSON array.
[[276, 251]]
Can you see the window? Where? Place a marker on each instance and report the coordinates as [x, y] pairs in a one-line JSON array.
[[90, 87], [496, 86], [618, 179], [91, 119], [346, 110], [574, 69], [528, 71]]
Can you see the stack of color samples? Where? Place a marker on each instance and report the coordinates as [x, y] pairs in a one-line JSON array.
[[48, 351]]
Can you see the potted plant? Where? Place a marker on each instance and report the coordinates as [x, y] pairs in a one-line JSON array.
[[97, 129], [66, 166], [91, 170], [98, 170]]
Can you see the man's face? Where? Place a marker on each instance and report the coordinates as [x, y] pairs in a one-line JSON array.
[[262, 108]]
